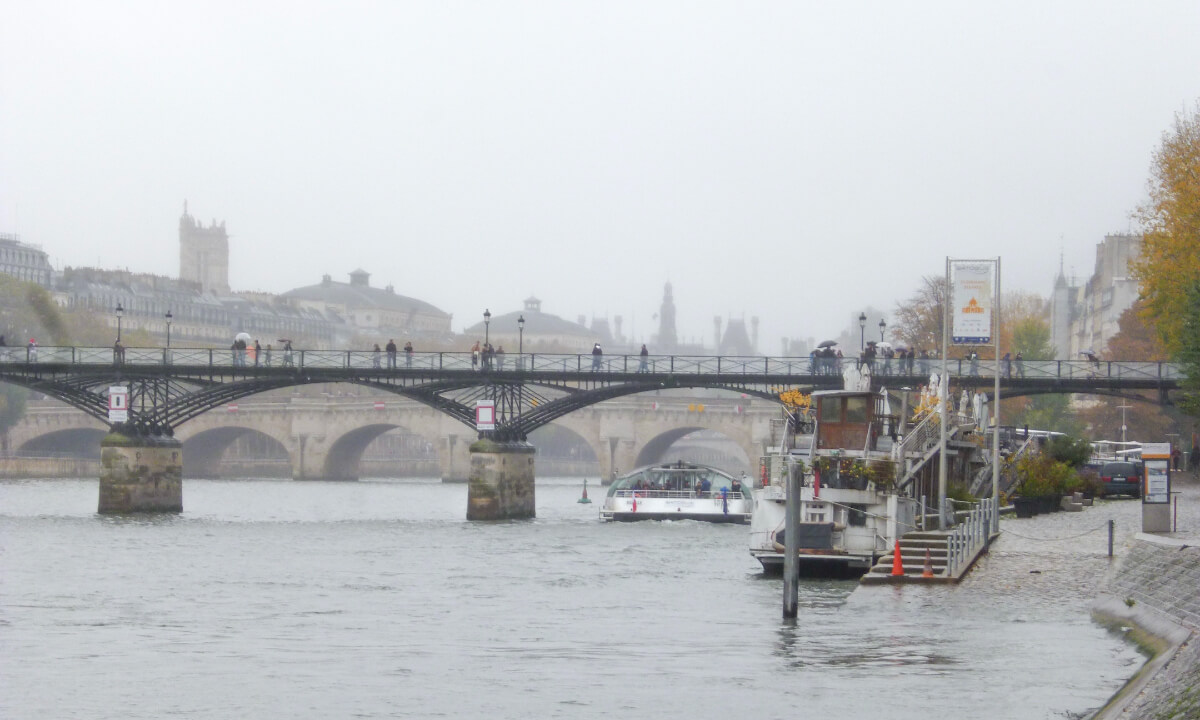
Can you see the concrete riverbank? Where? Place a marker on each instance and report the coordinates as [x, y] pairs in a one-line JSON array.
[[1149, 591]]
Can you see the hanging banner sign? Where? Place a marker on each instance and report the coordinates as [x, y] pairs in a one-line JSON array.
[[971, 301], [485, 416], [118, 404]]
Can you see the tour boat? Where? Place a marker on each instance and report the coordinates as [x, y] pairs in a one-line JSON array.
[[849, 515], [677, 491]]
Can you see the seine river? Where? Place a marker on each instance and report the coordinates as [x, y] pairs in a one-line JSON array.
[[377, 599]]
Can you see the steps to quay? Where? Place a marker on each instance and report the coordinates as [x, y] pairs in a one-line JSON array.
[[914, 548]]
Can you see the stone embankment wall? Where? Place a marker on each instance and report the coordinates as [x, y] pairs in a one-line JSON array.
[[32, 467], [1157, 589]]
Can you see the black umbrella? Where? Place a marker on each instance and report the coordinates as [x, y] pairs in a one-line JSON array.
[[828, 343]]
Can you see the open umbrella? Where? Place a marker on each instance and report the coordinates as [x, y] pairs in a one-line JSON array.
[[884, 344], [243, 336], [828, 343]]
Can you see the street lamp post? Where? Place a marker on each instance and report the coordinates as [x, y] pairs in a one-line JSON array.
[[120, 312], [862, 331], [487, 320], [521, 332], [882, 327], [1123, 426], [169, 318]]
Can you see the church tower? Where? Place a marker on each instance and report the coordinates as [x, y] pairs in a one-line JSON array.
[[1060, 316], [204, 254], [667, 340]]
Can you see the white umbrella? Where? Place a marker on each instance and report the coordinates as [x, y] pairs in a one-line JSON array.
[[243, 336], [884, 344]]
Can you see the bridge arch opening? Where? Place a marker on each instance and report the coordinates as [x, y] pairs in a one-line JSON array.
[[381, 450], [75, 443], [235, 452], [562, 452], [699, 445]]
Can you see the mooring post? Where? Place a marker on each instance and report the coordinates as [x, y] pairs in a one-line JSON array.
[[791, 544], [1111, 524]]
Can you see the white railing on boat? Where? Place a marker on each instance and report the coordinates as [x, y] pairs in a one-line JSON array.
[[970, 536], [676, 494]]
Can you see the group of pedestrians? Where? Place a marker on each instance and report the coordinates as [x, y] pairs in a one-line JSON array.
[[391, 354], [486, 357]]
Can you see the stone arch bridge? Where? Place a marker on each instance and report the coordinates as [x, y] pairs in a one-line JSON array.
[[325, 437]]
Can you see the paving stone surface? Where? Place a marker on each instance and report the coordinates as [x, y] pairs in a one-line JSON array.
[[1063, 558]]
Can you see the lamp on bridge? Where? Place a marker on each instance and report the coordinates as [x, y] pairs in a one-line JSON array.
[[862, 331], [521, 333], [169, 318], [487, 320], [120, 312], [882, 327]]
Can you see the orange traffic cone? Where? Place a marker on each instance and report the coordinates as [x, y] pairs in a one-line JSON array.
[[897, 564], [928, 571]]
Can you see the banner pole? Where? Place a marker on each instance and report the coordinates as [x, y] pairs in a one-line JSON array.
[[943, 390], [995, 519]]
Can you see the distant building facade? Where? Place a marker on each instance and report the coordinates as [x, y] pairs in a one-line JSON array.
[[374, 312], [197, 317], [203, 254], [1085, 317], [543, 332], [23, 261]]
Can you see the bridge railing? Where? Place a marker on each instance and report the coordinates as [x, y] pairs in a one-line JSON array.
[[918, 369]]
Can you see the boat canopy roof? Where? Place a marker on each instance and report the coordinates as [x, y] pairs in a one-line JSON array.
[[673, 476]]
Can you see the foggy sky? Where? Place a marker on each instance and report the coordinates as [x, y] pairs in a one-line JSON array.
[[795, 161]]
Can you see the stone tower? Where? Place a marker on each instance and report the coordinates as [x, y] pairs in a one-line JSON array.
[[1061, 301], [203, 254], [667, 340]]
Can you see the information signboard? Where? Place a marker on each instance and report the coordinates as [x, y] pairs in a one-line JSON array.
[[485, 416], [118, 404], [1156, 477], [971, 301]]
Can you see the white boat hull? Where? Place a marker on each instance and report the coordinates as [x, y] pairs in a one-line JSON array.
[[623, 506], [845, 547]]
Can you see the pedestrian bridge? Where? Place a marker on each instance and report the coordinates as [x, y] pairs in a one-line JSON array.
[[169, 386]]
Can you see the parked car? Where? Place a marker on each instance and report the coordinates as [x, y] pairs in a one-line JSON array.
[[1122, 478]]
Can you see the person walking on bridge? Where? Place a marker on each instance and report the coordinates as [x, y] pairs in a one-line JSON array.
[[643, 358], [391, 353], [408, 351], [597, 354]]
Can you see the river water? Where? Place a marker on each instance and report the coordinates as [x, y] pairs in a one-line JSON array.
[[377, 599]]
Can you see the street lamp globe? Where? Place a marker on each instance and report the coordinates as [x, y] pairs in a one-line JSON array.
[[169, 318], [882, 327], [862, 330], [487, 321], [120, 312], [521, 333]]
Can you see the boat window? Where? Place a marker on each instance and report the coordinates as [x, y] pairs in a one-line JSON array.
[[831, 409], [856, 409]]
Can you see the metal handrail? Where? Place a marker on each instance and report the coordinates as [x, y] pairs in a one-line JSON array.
[[969, 536], [580, 362]]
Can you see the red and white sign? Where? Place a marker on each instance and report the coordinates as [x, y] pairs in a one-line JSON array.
[[737, 409], [654, 406], [118, 404], [485, 416], [379, 405], [231, 407]]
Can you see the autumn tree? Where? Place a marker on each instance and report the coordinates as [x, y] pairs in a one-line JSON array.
[[1169, 265], [1189, 353], [918, 320]]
